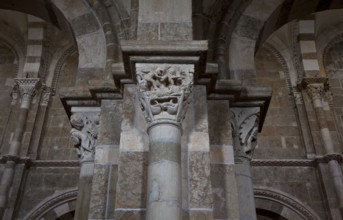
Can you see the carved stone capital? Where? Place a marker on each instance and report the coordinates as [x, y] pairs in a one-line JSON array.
[[315, 87], [46, 94], [27, 88], [315, 91], [84, 134], [164, 90], [245, 121]]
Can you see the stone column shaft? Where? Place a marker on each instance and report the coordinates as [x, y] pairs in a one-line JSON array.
[[245, 190], [84, 186], [316, 92], [27, 88], [164, 172]]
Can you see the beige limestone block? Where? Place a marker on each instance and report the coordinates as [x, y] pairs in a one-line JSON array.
[[92, 50], [151, 11], [199, 141]]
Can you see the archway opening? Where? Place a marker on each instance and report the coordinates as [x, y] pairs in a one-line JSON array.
[[68, 216], [263, 214]]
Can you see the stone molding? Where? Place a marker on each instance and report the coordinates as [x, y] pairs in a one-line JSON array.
[[245, 124], [50, 203], [55, 163], [39, 163], [164, 90], [286, 200], [283, 163], [84, 133], [327, 158]]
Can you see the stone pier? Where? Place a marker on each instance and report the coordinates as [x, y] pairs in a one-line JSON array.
[[164, 94]]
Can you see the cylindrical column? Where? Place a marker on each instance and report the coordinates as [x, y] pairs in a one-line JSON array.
[[84, 192], [245, 122], [27, 88], [164, 172], [245, 190], [316, 92]]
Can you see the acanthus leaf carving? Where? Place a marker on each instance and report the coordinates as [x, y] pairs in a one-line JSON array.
[[245, 123], [164, 90], [84, 134]]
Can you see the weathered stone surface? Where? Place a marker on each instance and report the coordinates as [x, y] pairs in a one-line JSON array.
[[175, 31], [132, 176], [200, 193], [130, 215], [87, 20], [219, 123], [148, 31]]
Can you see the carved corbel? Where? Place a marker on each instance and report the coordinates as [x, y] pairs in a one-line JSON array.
[[245, 125], [27, 88], [164, 90], [84, 134]]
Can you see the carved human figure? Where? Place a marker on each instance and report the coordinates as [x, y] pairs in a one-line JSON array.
[[84, 135], [164, 90]]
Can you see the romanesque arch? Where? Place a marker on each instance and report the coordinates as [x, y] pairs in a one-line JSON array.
[[283, 204], [54, 206]]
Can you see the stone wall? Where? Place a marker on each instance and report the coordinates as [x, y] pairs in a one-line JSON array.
[[42, 182], [302, 183], [280, 136], [56, 143]]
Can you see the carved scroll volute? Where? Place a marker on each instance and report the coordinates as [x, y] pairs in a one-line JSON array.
[[245, 123], [164, 90], [84, 134]]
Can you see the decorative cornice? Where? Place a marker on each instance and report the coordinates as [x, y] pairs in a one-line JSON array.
[[327, 158], [282, 163], [55, 163], [296, 162], [39, 163]]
